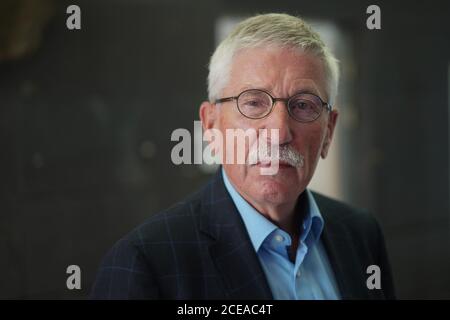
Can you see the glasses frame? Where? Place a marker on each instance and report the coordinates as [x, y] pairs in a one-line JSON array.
[[274, 100]]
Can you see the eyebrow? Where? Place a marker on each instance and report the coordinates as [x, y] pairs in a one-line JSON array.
[[306, 90]]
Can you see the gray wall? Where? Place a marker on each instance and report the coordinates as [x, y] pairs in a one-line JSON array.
[[74, 116]]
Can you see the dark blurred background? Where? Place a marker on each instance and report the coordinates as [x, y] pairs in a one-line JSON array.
[[86, 117]]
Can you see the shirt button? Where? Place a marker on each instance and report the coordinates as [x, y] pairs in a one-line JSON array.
[[298, 274], [279, 238]]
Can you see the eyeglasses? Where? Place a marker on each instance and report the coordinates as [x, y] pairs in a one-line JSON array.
[[257, 104]]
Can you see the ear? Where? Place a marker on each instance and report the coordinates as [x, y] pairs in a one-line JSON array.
[[332, 118], [208, 115]]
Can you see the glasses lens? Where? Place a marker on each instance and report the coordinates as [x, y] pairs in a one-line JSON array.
[[305, 107], [254, 103]]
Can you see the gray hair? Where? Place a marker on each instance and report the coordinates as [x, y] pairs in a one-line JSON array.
[[272, 29]]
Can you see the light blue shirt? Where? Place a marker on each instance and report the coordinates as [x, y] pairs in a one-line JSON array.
[[311, 276]]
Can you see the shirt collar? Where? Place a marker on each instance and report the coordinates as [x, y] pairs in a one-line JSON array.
[[259, 227], [314, 221]]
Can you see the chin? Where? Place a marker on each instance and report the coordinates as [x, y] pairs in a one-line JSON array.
[[284, 185], [271, 189]]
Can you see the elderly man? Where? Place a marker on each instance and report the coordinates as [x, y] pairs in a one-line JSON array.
[[248, 235]]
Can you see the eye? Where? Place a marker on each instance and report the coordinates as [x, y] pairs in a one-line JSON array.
[[303, 105], [254, 103]]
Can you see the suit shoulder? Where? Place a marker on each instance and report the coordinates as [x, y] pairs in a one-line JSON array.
[[179, 221], [358, 223], [343, 212]]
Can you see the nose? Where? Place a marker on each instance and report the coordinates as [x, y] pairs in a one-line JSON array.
[[280, 119]]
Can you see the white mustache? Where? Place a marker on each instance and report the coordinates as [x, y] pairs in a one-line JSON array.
[[286, 154]]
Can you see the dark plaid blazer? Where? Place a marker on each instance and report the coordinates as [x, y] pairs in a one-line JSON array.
[[200, 249]]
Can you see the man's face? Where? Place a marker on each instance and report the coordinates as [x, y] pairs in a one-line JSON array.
[[282, 73]]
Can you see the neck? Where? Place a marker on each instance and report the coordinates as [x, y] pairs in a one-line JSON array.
[[286, 216]]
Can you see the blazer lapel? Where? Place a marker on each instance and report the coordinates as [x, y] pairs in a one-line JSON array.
[[231, 249], [339, 246]]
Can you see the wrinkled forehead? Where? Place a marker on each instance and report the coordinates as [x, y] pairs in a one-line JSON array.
[[280, 71]]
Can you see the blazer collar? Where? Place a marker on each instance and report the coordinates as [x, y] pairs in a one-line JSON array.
[[231, 249], [339, 246]]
